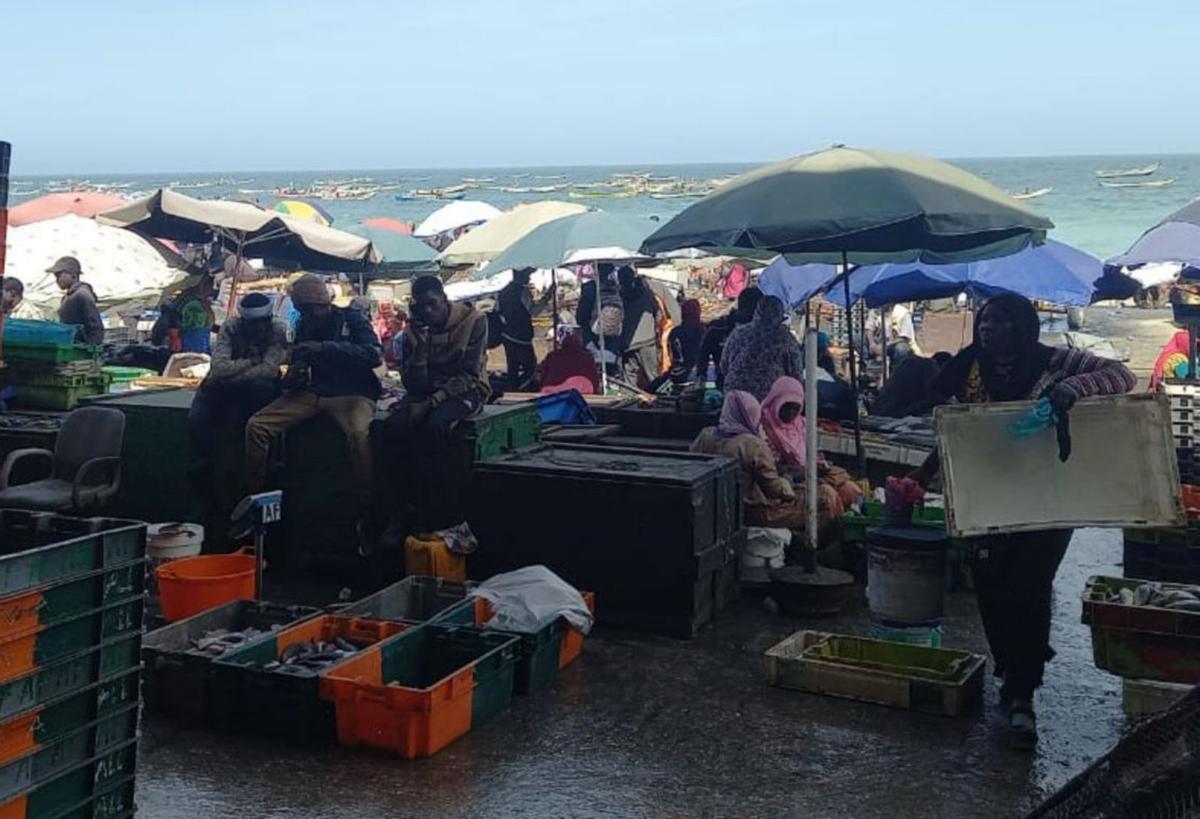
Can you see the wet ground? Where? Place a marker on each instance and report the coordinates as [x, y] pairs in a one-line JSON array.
[[649, 727]]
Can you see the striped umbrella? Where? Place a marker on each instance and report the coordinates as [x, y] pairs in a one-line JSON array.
[[304, 210]]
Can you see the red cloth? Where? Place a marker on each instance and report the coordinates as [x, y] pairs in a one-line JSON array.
[[1177, 344], [736, 281], [570, 361]]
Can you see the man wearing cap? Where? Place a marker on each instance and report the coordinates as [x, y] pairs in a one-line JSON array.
[[330, 372], [78, 305], [243, 377]]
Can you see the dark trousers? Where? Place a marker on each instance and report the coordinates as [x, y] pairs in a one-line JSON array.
[[421, 467], [522, 364], [218, 417], [1014, 580]]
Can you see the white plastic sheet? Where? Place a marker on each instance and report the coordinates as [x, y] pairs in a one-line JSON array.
[[529, 599]]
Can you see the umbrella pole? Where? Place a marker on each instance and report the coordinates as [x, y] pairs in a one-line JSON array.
[[554, 306], [858, 449], [600, 338], [237, 268], [810, 435]]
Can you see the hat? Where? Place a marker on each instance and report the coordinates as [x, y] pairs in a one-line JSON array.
[[67, 264], [255, 306], [309, 289]]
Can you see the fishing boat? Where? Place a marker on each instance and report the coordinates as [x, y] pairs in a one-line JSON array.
[[478, 180], [1145, 170], [549, 176], [1157, 183], [1032, 194], [601, 194]]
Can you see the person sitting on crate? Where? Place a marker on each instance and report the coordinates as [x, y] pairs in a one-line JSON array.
[[78, 305], [331, 371], [243, 377], [1014, 573], [770, 499], [444, 371]]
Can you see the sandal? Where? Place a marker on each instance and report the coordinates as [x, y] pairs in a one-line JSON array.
[[1022, 726]]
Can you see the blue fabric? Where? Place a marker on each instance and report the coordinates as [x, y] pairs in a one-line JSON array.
[[1039, 419], [196, 341], [1168, 242]]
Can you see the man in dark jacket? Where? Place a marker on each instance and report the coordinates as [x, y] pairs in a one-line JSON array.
[[78, 305], [330, 372], [639, 338], [720, 328], [445, 375], [516, 316], [243, 377]]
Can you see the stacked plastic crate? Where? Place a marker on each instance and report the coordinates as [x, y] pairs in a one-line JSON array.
[[71, 609], [1173, 554], [46, 369]]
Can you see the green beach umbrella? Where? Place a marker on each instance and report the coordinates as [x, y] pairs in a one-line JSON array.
[[857, 206], [399, 251], [594, 236]]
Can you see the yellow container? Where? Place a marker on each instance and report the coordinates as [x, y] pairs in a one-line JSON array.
[[430, 556]]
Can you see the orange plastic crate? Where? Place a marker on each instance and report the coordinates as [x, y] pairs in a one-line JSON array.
[[374, 709]]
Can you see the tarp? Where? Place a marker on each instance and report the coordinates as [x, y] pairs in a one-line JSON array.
[[119, 265], [265, 234], [455, 215], [492, 238]]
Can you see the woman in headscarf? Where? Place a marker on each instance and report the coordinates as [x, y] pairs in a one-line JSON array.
[[760, 353], [684, 343], [570, 362], [770, 499], [1014, 573], [783, 423], [1173, 357]]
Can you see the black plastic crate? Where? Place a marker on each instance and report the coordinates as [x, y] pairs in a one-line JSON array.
[[665, 421], [603, 505], [41, 549], [178, 678]]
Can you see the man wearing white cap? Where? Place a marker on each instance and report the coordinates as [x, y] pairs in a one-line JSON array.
[[243, 378]]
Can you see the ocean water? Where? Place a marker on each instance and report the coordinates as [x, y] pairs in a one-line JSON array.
[[1100, 220]]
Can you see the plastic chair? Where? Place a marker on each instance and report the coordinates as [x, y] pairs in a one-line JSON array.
[[84, 468]]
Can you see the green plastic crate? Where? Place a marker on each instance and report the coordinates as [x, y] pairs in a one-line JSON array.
[[69, 675], [58, 397], [39, 549], [18, 351], [63, 716], [57, 376], [500, 429], [100, 788], [69, 637], [76, 748], [49, 605], [855, 526]]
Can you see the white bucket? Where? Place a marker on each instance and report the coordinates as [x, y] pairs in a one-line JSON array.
[[171, 541], [906, 574]]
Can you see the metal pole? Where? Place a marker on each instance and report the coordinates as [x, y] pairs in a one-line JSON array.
[[858, 449], [5, 154], [554, 306], [810, 436], [600, 338]]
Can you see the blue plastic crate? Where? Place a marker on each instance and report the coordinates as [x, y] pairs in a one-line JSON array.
[[32, 331]]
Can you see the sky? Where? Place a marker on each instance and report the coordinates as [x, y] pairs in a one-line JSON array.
[[127, 87]]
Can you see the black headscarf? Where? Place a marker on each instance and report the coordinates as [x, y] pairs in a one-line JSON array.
[[1016, 382]]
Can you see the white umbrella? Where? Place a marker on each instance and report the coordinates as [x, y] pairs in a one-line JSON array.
[[490, 239], [118, 264], [455, 215]]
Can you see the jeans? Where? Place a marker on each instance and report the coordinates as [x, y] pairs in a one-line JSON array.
[[353, 413], [1014, 581]]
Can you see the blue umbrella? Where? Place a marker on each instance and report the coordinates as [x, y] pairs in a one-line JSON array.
[[794, 284], [1174, 239], [1053, 272]]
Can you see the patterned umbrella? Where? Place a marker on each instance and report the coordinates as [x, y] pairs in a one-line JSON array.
[[304, 210]]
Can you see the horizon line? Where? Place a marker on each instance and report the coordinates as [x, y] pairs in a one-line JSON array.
[[619, 165]]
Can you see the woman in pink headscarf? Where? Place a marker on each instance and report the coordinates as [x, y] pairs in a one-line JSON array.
[[783, 423], [770, 499]]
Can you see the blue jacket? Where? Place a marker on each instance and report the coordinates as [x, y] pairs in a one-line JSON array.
[[346, 363]]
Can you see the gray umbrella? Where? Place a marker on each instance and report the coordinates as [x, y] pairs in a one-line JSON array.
[[857, 206]]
